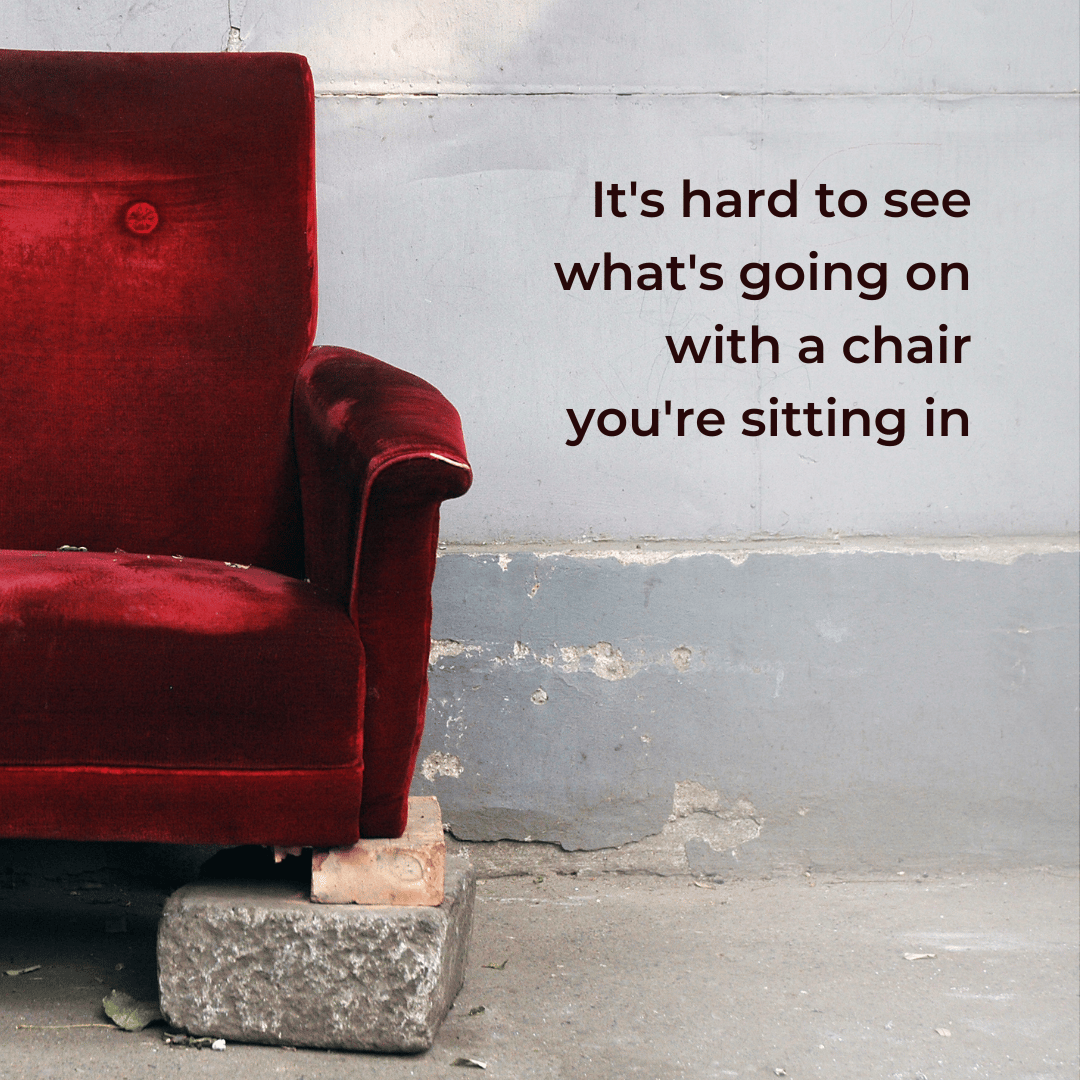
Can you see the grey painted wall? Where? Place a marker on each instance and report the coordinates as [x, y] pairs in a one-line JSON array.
[[807, 648], [478, 197], [507, 46], [918, 704]]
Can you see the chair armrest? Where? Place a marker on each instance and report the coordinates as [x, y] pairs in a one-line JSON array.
[[378, 450]]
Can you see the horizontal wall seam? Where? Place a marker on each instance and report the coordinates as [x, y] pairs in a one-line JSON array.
[[590, 92], [1001, 550]]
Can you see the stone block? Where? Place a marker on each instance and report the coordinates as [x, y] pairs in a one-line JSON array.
[[258, 962], [407, 870]]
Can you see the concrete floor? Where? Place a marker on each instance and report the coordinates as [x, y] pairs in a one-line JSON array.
[[610, 977]]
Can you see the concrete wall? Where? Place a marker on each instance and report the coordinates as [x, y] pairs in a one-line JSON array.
[[800, 648], [875, 702]]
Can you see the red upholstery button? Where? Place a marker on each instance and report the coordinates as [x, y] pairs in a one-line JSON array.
[[141, 218]]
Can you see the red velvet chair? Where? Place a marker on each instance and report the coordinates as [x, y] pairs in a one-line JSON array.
[[236, 652]]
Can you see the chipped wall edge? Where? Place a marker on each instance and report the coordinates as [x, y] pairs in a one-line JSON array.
[[1002, 550]]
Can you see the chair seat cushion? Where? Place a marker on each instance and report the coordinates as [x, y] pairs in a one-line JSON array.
[[164, 662]]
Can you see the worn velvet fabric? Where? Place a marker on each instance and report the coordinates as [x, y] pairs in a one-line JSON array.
[[147, 376], [300, 807], [162, 407], [378, 450], [140, 660]]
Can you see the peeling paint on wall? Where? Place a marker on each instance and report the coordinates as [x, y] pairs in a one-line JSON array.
[[448, 647], [692, 798], [607, 661], [1001, 550], [440, 764], [704, 835], [602, 659], [634, 557], [680, 657], [709, 829]]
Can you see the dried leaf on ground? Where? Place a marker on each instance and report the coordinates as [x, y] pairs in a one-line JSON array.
[[469, 1063], [22, 971], [126, 1012]]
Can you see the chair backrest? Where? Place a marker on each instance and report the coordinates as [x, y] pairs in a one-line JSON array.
[[157, 295]]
